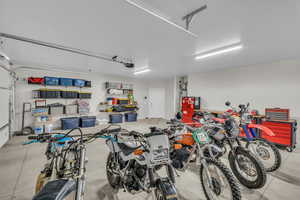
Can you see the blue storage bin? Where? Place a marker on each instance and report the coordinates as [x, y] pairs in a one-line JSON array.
[[51, 80], [87, 121], [66, 81], [131, 117], [69, 123], [115, 118], [78, 82]]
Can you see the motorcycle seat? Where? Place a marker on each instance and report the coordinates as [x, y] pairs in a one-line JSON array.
[[56, 190], [127, 149]]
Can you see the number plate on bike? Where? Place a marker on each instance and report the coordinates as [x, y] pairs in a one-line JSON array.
[[160, 155], [201, 136]]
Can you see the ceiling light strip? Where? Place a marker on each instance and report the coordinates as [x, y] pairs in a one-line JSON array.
[[161, 17], [141, 71], [220, 51]]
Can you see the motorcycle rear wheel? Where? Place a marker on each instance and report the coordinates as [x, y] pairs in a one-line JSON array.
[[265, 151]]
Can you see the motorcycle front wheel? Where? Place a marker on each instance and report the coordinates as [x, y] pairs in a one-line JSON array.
[[267, 152], [247, 168], [218, 183]]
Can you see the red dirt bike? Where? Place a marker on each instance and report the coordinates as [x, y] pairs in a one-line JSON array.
[[266, 151]]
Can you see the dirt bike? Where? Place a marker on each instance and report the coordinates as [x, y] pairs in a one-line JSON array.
[[247, 168], [133, 162], [63, 176], [266, 151], [188, 145]]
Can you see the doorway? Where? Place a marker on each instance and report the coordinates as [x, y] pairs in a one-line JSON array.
[[156, 102]]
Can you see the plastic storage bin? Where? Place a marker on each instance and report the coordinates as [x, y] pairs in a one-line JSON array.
[[66, 81], [115, 118], [78, 82], [123, 101], [87, 121], [51, 80], [56, 109], [69, 123], [131, 117], [69, 94], [84, 95], [35, 80], [46, 93], [113, 85], [71, 109]]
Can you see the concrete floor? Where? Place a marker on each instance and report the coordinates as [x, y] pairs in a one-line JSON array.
[[20, 165]]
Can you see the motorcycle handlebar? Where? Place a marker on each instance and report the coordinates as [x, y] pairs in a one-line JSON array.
[[108, 131]]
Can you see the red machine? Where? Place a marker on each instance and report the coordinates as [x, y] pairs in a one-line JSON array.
[[285, 133], [187, 109]]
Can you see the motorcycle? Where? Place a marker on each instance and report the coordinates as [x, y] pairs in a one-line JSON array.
[[188, 145], [225, 131], [266, 151], [63, 176], [133, 162]]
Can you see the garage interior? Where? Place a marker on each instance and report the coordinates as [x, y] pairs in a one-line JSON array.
[[137, 64]]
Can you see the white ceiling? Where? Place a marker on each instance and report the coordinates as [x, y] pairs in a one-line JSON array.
[[268, 29]]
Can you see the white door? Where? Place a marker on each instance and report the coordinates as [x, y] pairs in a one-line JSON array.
[[156, 102]]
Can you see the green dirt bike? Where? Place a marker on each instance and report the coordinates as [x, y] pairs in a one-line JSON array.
[[188, 145]]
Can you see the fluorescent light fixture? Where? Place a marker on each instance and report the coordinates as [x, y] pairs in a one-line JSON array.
[[141, 71], [219, 51], [4, 56], [161, 17]]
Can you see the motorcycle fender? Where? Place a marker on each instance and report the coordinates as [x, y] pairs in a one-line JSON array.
[[262, 128], [220, 120], [167, 187], [127, 158]]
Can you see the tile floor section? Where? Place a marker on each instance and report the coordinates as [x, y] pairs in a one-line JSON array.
[[20, 165]]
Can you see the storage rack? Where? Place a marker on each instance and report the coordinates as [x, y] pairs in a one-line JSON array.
[[121, 90], [66, 101]]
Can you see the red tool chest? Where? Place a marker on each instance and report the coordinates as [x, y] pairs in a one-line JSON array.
[[188, 108], [285, 133], [277, 114]]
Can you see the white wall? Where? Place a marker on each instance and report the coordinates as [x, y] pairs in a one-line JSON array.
[[265, 85], [4, 102], [24, 92]]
